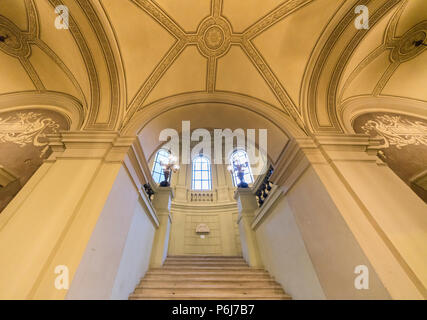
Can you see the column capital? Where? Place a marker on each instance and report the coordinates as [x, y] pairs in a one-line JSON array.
[[110, 146], [299, 153]]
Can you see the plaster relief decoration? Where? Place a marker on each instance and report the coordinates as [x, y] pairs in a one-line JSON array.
[[404, 147], [202, 229], [25, 128], [396, 131], [24, 146]]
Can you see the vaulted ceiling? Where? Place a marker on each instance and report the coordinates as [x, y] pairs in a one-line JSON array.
[[122, 61]]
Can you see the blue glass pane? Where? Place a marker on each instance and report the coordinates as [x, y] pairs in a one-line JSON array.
[[201, 174]]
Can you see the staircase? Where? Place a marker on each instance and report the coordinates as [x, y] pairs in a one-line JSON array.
[[206, 278]]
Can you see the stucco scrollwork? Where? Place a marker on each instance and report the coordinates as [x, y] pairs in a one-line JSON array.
[[25, 128], [396, 131]]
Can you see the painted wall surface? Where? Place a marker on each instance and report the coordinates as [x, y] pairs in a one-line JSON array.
[[120, 244], [221, 240], [135, 259], [285, 256], [329, 243]]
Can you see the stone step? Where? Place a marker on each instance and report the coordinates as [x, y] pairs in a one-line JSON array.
[[208, 291], [204, 257], [214, 283], [197, 297], [205, 264], [204, 276], [207, 267], [205, 260], [206, 271]]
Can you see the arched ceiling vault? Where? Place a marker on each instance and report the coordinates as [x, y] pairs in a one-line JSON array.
[[303, 59], [360, 65]]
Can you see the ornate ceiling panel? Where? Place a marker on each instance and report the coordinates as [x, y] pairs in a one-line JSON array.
[[395, 66], [414, 11], [243, 14], [15, 11], [141, 39], [186, 13], [63, 50], [288, 44], [187, 74], [373, 39], [301, 57], [236, 73]]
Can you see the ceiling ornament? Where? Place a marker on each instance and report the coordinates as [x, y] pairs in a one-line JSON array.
[[396, 131], [405, 48], [25, 128], [14, 42], [214, 38], [401, 49]]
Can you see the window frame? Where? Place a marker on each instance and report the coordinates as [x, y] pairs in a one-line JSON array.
[[194, 170], [157, 166], [248, 170]]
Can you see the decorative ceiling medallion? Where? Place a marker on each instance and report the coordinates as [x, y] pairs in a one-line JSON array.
[[396, 131], [15, 43], [214, 37], [405, 48]]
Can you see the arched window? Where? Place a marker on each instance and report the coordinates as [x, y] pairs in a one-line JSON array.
[[241, 157], [202, 178], [161, 156]]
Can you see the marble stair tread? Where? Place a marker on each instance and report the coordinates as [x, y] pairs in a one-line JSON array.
[[208, 284], [204, 276], [207, 277]]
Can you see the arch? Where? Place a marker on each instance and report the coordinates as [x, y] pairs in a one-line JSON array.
[[62, 103], [149, 112], [327, 64], [239, 109], [355, 107]]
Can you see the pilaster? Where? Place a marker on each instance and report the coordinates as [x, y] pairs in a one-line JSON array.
[[162, 204], [52, 219], [247, 205], [357, 194]]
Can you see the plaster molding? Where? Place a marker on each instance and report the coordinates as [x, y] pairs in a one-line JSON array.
[[299, 154], [149, 112], [355, 107], [62, 103], [346, 37]]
